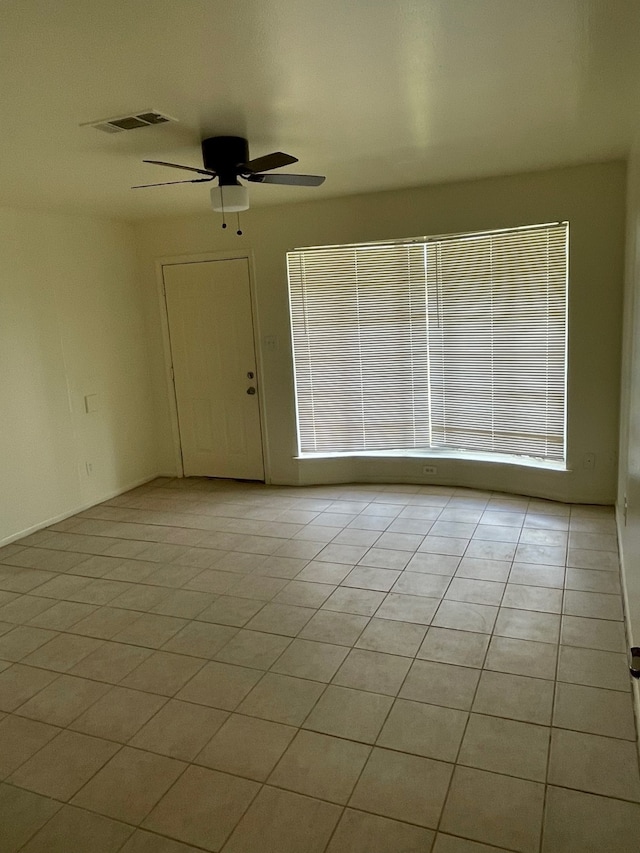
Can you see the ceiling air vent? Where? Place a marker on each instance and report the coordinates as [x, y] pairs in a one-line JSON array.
[[145, 118]]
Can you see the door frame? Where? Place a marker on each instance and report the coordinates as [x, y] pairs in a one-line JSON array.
[[206, 257]]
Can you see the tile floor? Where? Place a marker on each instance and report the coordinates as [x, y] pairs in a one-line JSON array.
[[209, 665]]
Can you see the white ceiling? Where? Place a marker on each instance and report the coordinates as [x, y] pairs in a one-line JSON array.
[[375, 94]]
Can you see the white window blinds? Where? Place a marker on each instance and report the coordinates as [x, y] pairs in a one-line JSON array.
[[456, 342]]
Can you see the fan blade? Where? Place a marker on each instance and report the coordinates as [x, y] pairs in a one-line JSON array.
[[268, 162], [166, 183], [295, 180], [177, 166]]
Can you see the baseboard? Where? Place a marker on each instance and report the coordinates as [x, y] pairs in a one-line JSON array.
[[56, 518], [631, 640]]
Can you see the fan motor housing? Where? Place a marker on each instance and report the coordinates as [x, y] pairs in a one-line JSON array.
[[223, 155]]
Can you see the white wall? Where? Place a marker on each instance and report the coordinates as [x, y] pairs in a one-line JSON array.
[[71, 324], [591, 197]]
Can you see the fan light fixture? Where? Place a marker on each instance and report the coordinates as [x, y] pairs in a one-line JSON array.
[[229, 198]]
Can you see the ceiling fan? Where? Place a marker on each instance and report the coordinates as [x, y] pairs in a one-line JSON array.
[[227, 159]]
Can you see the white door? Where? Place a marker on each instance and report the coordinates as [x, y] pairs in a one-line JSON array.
[[214, 366]]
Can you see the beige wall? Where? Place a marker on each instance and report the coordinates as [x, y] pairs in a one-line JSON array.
[[71, 324], [629, 479], [591, 197]]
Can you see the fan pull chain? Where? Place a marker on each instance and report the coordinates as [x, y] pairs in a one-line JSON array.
[[224, 224], [238, 232]]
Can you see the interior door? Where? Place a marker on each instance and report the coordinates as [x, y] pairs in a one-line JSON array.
[[214, 367]]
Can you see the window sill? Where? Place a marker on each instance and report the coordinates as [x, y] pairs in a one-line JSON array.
[[445, 455]]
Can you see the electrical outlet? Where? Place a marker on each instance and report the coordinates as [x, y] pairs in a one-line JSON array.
[[429, 469]]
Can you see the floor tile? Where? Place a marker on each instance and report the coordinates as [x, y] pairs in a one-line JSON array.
[[522, 657], [348, 713], [179, 550], [527, 625], [494, 809], [593, 605], [118, 714], [331, 627], [110, 662], [73, 830], [148, 842], [589, 581], [63, 700], [408, 608], [285, 619], [19, 683], [256, 586], [397, 638], [475, 591], [524, 597], [373, 671], [203, 807], [483, 547], [549, 555], [130, 785], [200, 639], [421, 583], [282, 699], [584, 558], [179, 729], [516, 697], [284, 822], [321, 766], [63, 652], [63, 766], [104, 622], [220, 685], [428, 730], [365, 577], [304, 593], [359, 832], [576, 822], [62, 616], [434, 564], [163, 673], [253, 649], [587, 633], [593, 710], [326, 573], [458, 647], [483, 569], [441, 684], [506, 746], [247, 746], [24, 608], [310, 659], [20, 641], [20, 738], [451, 844], [403, 787], [575, 755], [22, 814], [464, 616], [593, 667], [348, 554], [228, 610], [531, 574], [150, 630]]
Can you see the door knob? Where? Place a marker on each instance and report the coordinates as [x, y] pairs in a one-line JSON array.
[[251, 390]]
